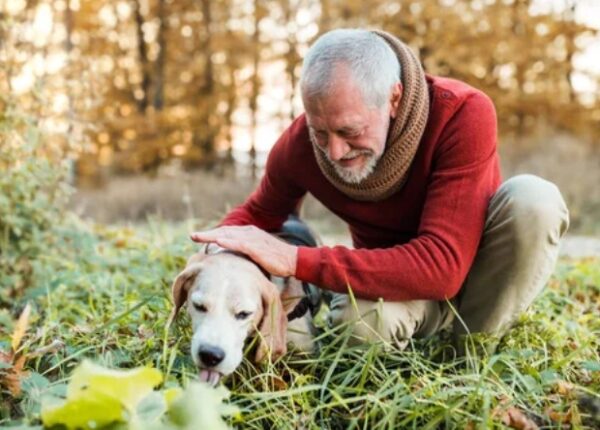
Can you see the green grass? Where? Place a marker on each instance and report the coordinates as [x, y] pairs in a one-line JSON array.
[[104, 293]]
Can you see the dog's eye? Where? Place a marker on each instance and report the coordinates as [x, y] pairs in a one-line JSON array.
[[242, 315], [199, 307]]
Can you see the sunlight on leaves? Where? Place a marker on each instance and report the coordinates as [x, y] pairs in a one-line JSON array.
[[20, 327], [97, 396], [201, 407]]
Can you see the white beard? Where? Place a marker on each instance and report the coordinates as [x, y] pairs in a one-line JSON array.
[[353, 176], [349, 175]]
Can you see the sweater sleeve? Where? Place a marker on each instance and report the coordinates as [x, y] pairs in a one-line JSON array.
[[435, 263], [277, 195]]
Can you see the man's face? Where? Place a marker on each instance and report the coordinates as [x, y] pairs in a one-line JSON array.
[[351, 133]]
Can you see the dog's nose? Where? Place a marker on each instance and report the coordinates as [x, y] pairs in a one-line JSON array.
[[211, 355]]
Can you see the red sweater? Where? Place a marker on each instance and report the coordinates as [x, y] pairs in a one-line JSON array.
[[420, 242]]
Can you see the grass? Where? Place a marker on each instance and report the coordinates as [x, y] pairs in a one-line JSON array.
[[104, 293]]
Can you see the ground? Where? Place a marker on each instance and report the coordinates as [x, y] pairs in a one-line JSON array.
[[103, 293]]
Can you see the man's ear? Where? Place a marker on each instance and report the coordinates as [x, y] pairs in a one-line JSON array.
[[273, 325], [181, 286], [395, 99]]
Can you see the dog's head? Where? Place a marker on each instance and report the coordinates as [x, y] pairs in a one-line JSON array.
[[228, 299]]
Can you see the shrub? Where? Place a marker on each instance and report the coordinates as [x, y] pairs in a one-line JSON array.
[[33, 194]]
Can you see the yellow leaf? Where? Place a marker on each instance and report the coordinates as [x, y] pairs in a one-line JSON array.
[[171, 394], [97, 396], [129, 386], [20, 328], [90, 411]]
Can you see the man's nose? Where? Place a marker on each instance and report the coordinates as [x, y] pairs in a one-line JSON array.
[[337, 147], [210, 355]]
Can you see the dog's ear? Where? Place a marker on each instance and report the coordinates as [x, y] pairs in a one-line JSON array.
[[292, 294], [273, 325], [181, 286]]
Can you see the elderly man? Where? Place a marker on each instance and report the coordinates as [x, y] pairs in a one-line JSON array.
[[409, 161]]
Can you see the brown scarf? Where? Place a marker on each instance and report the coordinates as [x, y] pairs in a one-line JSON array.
[[404, 135]]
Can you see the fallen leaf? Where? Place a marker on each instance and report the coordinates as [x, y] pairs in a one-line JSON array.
[[564, 388], [91, 411], [516, 419], [470, 426], [277, 383], [82, 329], [560, 417], [120, 243], [130, 386], [145, 332], [97, 396], [20, 328], [13, 377]]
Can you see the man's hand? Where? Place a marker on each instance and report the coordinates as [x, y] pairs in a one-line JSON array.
[[275, 256]]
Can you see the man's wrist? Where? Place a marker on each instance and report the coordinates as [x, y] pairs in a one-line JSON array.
[[293, 260]]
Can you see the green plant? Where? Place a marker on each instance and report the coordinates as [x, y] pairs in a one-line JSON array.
[[33, 194], [104, 293]]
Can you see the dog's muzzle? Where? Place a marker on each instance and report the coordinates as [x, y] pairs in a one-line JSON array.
[[210, 356]]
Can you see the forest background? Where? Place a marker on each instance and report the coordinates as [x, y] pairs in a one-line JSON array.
[[169, 107]]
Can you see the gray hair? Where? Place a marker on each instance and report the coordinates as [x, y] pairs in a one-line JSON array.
[[370, 60]]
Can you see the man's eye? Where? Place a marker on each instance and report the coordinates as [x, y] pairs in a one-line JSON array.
[[319, 134], [242, 315], [349, 134], [199, 307]]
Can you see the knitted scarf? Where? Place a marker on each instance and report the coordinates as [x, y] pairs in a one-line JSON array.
[[404, 134]]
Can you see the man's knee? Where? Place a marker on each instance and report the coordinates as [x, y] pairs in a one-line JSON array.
[[369, 321], [374, 321], [535, 207], [526, 220]]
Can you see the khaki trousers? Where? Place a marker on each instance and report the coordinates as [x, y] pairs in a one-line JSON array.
[[526, 219]]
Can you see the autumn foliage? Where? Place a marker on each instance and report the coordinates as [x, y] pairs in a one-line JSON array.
[[138, 82]]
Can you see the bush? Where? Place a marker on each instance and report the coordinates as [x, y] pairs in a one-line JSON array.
[[33, 195]]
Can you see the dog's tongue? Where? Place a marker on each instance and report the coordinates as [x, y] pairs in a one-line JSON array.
[[210, 376]]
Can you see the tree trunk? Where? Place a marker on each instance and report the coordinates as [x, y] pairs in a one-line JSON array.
[[158, 100], [142, 104], [569, 16], [292, 58], [255, 86], [203, 138]]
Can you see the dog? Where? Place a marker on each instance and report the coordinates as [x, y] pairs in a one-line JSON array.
[[230, 299]]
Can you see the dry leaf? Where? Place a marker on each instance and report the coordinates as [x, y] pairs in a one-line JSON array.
[[6, 357], [20, 328], [120, 243], [559, 417], [82, 329], [516, 419], [145, 332], [564, 388], [6, 379], [279, 384], [13, 379]]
